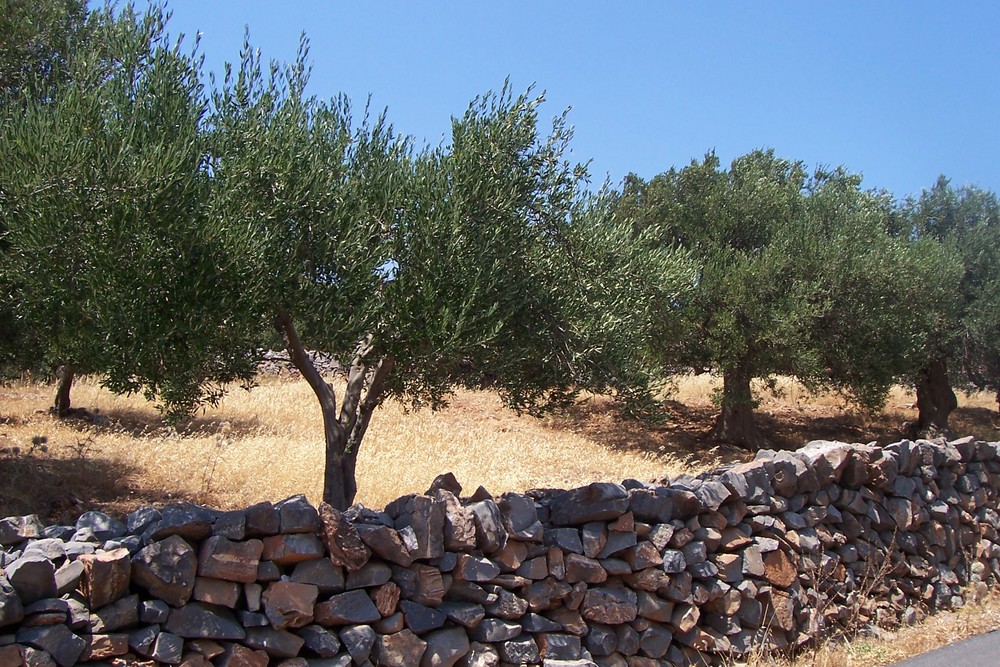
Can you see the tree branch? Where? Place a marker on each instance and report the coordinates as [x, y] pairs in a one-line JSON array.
[[300, 359]]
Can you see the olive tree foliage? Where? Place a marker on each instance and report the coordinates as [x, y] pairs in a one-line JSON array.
[[104, 195], [799, 275], [35, 38], [962, 349], [473, 264]]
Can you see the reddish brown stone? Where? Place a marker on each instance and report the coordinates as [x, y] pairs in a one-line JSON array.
[[587, 570], [217, 591], [289, 605], [241, 656], [643, 555], [11, 656], [610, 605], [105, 576], [342, 540], [386, 597], [779, 569], [291, 549], [430, 586], [102, 647], [221, 558]]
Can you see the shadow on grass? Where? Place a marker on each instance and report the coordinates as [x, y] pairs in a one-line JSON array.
[[138, 423], [60, 489]]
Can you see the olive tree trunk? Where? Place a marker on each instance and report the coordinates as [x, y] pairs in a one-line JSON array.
[[62, 405], [342, 433], [735, 423], [935, 399]]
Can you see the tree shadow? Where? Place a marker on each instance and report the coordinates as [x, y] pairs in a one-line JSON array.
[[60, 489], [138, 423]]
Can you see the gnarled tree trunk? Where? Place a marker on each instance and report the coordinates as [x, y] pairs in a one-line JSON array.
[[62, 405], [735, 423], [935, 399], [343, 433]]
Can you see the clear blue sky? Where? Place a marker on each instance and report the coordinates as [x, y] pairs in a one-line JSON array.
[[899, 91]]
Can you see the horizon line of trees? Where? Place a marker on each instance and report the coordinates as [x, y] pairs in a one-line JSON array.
[[161, 229]]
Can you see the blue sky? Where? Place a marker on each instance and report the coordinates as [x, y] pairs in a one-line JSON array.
[[899, 91]]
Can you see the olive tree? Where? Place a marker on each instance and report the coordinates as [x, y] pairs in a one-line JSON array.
[[799, 275], [962, 348]]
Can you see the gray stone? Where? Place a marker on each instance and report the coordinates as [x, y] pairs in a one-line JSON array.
[[52, 548], [472, 568], [103, 526], [168, 648], [520, 650], [599, 501], [141, 640], [320, 641], [140, 520], [351, 608], [68, 577], [559, 647], [154, 611], [231, 525], [33, 576], [491, 535], [567, 539], [466, 614], [372, 574], [321, 573], [167, 570], [520, 518], [16, 529], [262, 520], [297, 515], [421, 619], [57, 640], [445, 648], [359, 641], [493, 630], [277, 643], [425, 515], [532, 622], [11, 607], [199, 621], [185, 520], [385, 543], [119, 615]]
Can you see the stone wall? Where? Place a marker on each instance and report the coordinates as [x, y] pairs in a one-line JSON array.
[[767, 554]]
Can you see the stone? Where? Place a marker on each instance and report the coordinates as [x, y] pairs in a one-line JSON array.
[[231, 525], [68, 577], [222, 558], [466, 614], [57, 640], [372, 574], [168, 648], [33, 577], [472, 568], [185, 520], [491, 535], [217, 591], [276, 643], [446, 482], [520, 518], [12, 656], [350, 608], [481, 655], [297, 515], [673, 561], [237, 655], [262, 520], [557, 648], [685, 617], [386, 598], [425, 515], [153, 611], [628, 639], [610, 605], [321, 573], [445, 647], [642, 555], [421, 619], [385, 543], [52, 548], [618, 542], [320, 641], [16, 529], [429, 585], [520, 650], [401, 649], [342, 540], [654, 642], [359, 641], [587, 570], [137, 522], [508, 606], [546, 594], [653, 607], [599, 501], [288, 604], [291, 549], [141, 641], [779, 569], [101, 525], [493, 630], [459, 525], [34, 657], [11, 607], [118, 615], [167, 570], [199, 621]]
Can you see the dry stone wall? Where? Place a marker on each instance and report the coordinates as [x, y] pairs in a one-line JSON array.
[[768, 554]]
